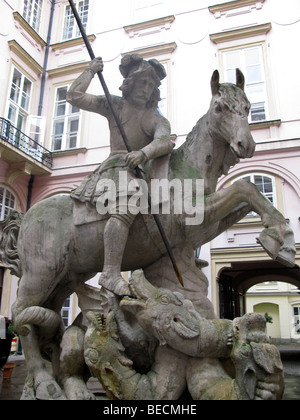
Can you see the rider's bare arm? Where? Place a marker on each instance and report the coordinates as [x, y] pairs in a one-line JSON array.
[[77, 95]]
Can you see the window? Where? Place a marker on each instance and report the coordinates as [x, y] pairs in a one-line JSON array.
[[37, 129], [296, 319], [19, 99], [71, 29], [266, 186], [65, 123], [7, 202], [250, 61], [66, 312], [32, 12]]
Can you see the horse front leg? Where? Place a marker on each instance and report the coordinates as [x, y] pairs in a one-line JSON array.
[[277, 238]]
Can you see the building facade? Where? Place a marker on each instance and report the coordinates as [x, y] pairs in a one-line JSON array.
[[47, 146]]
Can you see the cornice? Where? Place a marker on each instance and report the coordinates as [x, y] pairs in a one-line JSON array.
[[25, 25], [71, 43], [67, 70], [168, 20], [154, 50], [264, 124], [241, 33], [25, 57], [219, 8]]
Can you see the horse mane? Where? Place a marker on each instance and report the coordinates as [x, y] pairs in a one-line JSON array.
[[230, 98]]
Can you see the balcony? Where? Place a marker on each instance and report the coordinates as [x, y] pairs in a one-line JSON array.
[[17, 147]]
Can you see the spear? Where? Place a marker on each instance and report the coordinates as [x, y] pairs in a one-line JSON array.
[[124, 137]]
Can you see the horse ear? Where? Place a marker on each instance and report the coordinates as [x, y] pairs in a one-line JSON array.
[[240, 79], [215, 82]]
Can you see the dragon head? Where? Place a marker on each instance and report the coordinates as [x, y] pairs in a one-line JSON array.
[[165, 314]]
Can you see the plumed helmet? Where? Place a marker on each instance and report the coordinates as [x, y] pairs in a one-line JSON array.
[[135, 65]]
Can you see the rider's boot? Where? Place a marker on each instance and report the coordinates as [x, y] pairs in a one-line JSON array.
[[115, 238]]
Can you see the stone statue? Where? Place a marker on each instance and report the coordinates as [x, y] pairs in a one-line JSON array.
[[149, 135], [59, 244]]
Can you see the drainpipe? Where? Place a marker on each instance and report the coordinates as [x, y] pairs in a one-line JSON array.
[[42, 91], [43, 81]]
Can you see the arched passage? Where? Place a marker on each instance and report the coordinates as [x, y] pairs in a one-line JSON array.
[[272, 309], [234, 281]]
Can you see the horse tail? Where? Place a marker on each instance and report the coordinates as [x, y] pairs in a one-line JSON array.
[[9, 232]]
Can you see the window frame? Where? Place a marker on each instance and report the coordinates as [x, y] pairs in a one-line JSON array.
[[29, 15], [252, 214], [66, 26], [264, 67], [15, 104], [296, 320], [3, 206], [66, 118], [66, 311]]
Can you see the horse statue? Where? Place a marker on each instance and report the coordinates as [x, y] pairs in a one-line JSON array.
[[54, 256]]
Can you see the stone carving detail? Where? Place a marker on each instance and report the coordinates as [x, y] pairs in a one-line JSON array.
[[190, 340], [162, 337]]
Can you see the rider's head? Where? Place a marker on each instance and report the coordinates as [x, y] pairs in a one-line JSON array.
[[133, 67]]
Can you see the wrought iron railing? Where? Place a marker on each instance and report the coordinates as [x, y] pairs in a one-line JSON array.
[[21, 141]]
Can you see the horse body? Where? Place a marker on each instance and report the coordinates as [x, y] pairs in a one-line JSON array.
[[56, 256]]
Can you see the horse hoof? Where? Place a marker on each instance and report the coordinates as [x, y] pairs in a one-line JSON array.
[[115, 284], [270, 241], [49, 390], [286, 257]]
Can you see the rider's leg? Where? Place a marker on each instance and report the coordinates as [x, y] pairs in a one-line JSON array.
[[115, 238]]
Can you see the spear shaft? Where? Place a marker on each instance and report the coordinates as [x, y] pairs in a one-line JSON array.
[[124, 137]]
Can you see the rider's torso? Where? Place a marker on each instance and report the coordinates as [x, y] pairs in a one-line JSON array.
[[139, 126]]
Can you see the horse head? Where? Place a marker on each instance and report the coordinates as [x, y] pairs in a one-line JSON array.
[[228, 115]]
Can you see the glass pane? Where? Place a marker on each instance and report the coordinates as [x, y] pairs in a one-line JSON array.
[[62, 93], [59, 127], [26, 94], [7, 202], [58, 131], [231, 76], [74, 126], [83, 10], [254, 74], [74, 110], [258, 112], [12, 114], [252, 56], [233, 60], [61, 101], [57, 141], [15, 86], [255, 92], [60, 109], [73, 130]]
